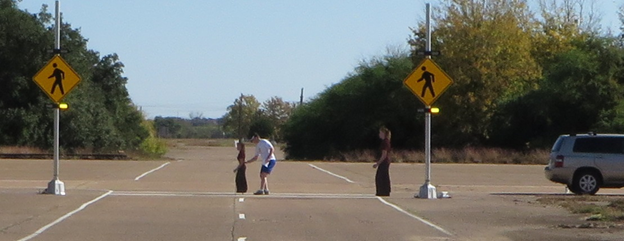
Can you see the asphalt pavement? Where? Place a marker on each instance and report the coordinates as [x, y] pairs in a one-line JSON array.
[[190, 196]]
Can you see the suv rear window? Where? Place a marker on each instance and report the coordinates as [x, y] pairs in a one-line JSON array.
[[557, 144], [599, 145]]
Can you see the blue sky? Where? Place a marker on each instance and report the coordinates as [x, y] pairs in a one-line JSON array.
[[198, 56]]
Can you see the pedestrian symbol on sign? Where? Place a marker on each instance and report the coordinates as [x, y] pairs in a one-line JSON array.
[[59, 76], [429, 79]]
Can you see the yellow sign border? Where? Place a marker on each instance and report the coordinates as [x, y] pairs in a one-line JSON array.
[[439, 93], [55, 58]]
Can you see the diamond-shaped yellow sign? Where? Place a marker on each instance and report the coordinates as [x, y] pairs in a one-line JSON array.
[[57, 78], [428, 81]]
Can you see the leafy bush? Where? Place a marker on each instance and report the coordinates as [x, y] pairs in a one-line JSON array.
[[153, 147], [347, 116]]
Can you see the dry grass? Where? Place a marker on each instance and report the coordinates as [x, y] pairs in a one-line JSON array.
[[33, 150], [199, 142], [439, 155], [443, 155], [355, 156], [597, 208], [21, 150]]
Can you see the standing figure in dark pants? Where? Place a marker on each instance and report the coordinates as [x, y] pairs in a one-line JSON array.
[[382, 177], [241, 179]]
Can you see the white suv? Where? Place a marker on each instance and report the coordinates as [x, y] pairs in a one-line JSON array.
[[585, 163]]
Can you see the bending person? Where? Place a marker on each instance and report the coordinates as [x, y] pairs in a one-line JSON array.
[[265, 151]]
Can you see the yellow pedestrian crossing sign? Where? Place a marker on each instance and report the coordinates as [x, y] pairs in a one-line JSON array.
[[428, 81], [57, 78]]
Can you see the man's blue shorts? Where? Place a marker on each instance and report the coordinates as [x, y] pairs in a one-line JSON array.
[[269, 168]]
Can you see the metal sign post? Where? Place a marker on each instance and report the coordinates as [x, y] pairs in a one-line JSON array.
[[64, 80], [428, 81], [427, 190], [56, 186]]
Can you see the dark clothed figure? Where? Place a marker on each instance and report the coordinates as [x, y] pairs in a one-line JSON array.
[[382, 177], [241, 178]]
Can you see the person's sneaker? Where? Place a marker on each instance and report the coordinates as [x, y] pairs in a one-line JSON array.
[[266, 192], [259, 192]]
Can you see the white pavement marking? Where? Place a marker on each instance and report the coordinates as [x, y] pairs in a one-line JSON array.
[[228, 194], [12, 180], [242, 238], [150, 171], [83, 206], [415, 217], [240, 200], [331, 173], [241, 216], [321, 195]]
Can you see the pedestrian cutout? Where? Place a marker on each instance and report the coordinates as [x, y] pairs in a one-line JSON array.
[[58, 75], [56, 78], [428, 81]]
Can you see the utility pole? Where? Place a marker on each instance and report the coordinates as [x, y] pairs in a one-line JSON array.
[[240, 117]]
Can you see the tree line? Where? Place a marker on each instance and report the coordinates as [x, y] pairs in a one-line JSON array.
[[195, 127], [101, 116], [520, 80], [246, 116]]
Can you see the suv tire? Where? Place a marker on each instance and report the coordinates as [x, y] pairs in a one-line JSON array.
[[586, 182]]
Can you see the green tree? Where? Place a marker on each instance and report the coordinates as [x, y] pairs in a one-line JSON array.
[[559, 27], [101, 115], [277, 111], [347, 115], [167, 127], [262, 125], [486, 48], [239, 116], [23, 41], [580, 92]]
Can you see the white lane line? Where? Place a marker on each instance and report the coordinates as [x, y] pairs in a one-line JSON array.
[[241, 216], [21, 180], [242, 239], [331, 173], [83, 206], [240, 200], [150, 171], [415, 217], [235, 195]]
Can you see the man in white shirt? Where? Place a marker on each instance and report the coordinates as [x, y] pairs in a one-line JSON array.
[[265, 151]]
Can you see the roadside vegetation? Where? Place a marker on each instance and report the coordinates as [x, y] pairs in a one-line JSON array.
[[465, 155], [595, 208], [521, 78], [181, 143], [101, 117]]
